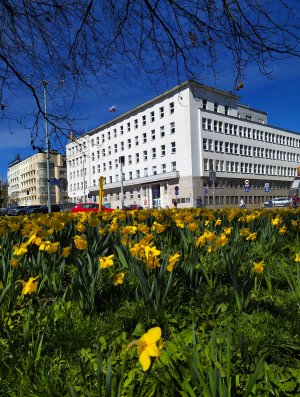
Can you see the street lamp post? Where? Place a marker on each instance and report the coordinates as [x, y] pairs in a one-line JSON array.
[[83, 179], [47, 150], [121, 161]]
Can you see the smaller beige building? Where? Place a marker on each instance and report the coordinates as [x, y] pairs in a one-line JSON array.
[[27, 180]]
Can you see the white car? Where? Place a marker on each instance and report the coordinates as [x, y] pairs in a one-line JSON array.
[[278, 202]]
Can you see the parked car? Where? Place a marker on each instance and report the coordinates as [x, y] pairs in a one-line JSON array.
[[3, 211], [131, 207], [14, 209], [43, 209], [90, 207], [278, 202]]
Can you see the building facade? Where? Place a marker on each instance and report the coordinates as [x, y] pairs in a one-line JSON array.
[[27, 180], [194, 144]]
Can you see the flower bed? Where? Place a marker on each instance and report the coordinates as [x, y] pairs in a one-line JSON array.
[[150, 303]]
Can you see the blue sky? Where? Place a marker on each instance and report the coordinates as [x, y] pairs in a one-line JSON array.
[[278, 96]]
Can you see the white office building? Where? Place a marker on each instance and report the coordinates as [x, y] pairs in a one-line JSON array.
[[194, 144]]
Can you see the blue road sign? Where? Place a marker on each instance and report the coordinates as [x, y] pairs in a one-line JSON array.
[[267, 189], [247, 188]]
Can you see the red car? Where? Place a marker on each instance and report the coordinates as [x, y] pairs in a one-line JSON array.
[[90, 207]]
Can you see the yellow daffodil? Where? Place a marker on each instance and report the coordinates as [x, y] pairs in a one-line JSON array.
[[149, 345], [118, 278], [227, 230], [14, 262], [129, 230], [172, 261], [276, 221], [49, 247], [251, 236], [66, 252], [151, 254], [20, 249], [297, 258], [179, 223], [158, 228], [106, 261], [218, 222], [29, 286], [193, 226], [80, 227], [282, 230], [80, 242], [258, 267]]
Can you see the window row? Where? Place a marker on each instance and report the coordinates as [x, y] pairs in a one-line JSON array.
[[248, 168], [247, 132], [146, 171], [210, 145]]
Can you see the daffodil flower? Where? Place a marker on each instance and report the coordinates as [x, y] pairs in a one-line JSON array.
[[258, 267], [29, 286], [149, 345], [106, 261]]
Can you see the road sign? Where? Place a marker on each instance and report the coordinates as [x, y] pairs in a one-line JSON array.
[[90, 195], [176, 190], [247, 182], [246, 188], [267, 189]]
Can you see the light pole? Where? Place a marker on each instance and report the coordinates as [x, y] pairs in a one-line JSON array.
[[122, 161], [47, 150], [83, 169]]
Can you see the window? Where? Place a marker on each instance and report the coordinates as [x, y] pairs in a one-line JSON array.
[[144, 137], [173, 147], [154, 170], [103, 139], [129, 159], [104, 166], [171, 107], [145, 171], [121, 130], [116, 163], [216, 107], [136, 124], [136, 140], [129, 143], [137, 157], [248, 117], [138, 173], [109, 165], [108, 135], [162, 131], [122, 146], [93, 143], [152, 117], [172, 128], [152, 135], [109, 149], [128, 127], [144, 120], [130, 174], [98, 168], [115, 132], [115, 147], [204, 104], [163, 168], [173, 166], [153, 153], [93, 169], [226, 109], [161, 112], [163, 150], [145, 155], [98, 140]]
